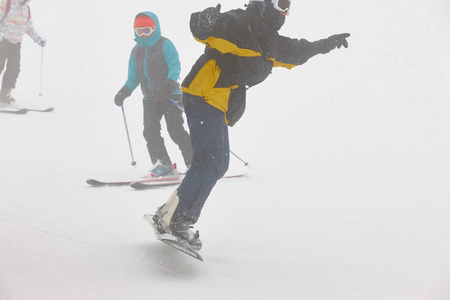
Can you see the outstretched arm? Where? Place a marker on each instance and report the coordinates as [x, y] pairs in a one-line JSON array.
[[293, 52]]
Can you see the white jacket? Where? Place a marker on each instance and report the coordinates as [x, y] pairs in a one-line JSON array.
[[17, 22]]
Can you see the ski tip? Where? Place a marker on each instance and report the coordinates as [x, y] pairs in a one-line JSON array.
[[153, 185], [235, 175], [22, 111], [50, 109], [138, 186], [93, 182]]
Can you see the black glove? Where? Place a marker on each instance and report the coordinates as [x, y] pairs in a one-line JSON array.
[[340, 39], [124, 93], [337, 41], [165, 91], [208, 18]]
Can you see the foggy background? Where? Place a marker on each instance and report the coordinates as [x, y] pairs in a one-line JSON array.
[[348, 197]]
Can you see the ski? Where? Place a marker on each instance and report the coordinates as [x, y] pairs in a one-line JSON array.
[[16, 111], [142, 185], [173, 241], [22, 111], [50, 109], [98, 183]]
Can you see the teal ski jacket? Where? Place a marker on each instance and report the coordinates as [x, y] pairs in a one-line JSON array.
[[152, 61]]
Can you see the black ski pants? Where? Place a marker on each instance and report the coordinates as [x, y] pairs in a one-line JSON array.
[[153, 113], [9, 56]]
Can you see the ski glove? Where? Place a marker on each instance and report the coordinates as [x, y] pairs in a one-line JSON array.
[[41, 41], [336, 41], [208, 18], [165, 91], [124, 93], [340, 40]]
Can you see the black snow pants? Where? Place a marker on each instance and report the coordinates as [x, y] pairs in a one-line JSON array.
[[9, 55], [153, 113]]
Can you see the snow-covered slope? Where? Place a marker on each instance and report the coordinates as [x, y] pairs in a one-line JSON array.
[[348, 197]]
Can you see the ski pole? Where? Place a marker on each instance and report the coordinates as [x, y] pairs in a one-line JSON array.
[[42, 70], [245, 163], [177, 105], [133, 163]]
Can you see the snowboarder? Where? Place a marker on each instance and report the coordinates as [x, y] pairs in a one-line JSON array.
[[155, 66], [15, 20], [242, 47]]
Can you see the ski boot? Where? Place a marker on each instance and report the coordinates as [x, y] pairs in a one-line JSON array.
[[6, 97], [159, 169]]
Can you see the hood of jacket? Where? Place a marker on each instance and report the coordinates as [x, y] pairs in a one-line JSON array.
[[149, 41]]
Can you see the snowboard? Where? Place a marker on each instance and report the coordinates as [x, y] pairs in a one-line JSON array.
[[173, 241]]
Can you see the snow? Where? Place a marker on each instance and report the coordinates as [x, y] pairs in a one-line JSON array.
[[348, 197]]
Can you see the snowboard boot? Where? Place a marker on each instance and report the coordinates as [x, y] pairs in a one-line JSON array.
[[167, 221], [181, 228], [5, 96], [164, 213]]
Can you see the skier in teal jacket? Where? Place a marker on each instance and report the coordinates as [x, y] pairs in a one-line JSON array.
[[155, 66]]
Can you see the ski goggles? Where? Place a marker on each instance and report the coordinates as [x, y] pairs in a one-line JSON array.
[[144, 31], [282, 6]]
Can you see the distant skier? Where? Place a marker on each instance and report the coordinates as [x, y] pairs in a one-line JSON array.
[[242, 47], [15, 20], [154, 64]]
